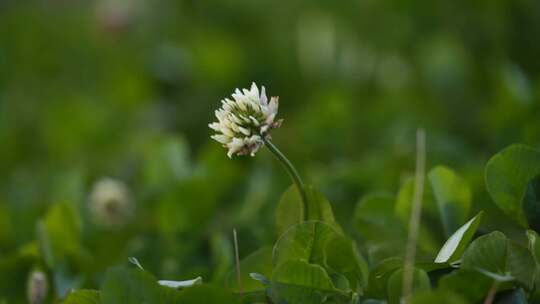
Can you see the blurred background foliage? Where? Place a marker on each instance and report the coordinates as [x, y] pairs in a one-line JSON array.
[[124, 89]]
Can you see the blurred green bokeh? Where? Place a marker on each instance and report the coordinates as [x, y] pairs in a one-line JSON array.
[[126, 88]]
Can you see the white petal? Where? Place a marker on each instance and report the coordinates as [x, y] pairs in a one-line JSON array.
[[231, 103], [273, 105], [226, 106], [220, 114], [263, 98], [246, 120], [227, 131], [237, 96], [180, 284], [235, 119], [256, 143], [242, 103], [254, 90], [265, 110], [256, 138], [215, 126], [244, 131], [255, 106], [255, 121], [235, 127], [221, 138], [270, 119], [226, 123], [234, 146]]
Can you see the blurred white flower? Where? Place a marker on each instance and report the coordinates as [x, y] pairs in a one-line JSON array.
[[245, 120], [110, 204], [37, 287], [117, 15]]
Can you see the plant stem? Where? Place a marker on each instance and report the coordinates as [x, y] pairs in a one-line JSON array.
[[237, 260], [491, 293], [416, 213], [291, 171]]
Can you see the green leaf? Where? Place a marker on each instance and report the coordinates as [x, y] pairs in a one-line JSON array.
[[301, 273], [83, 296], [488, 253], [437, 296], [453, 197], [342, 256], [428, 238], [129, 285], [207, 294], [520, 263], [460, 280], [59, 234], [290, 210], [534, 247], [454, 247], [501, 259], [14, 269], [508, 175], [297, 281], [259, 262], [404, 199], [533, 243], [395, 284], [531, 203], [341, 282], [374, 214], [306, 241], [379, 276], [381, 230]]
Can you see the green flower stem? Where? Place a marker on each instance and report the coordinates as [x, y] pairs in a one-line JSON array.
[[291, 171]]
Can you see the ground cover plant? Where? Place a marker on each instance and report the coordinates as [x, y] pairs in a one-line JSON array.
[[388, 258], [399, 163]]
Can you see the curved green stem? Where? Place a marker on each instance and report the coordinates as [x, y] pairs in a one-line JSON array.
[[290, 170]]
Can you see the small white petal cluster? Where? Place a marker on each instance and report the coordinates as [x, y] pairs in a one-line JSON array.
[[110, 204], [37, 287], [245, 120]]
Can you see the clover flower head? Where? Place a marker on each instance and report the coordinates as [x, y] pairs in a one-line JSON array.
[[110, 203], [37, 286], [245, 120]]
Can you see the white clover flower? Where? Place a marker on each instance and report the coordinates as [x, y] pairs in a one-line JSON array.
[[110, 204], [37, 287], [245, 120]]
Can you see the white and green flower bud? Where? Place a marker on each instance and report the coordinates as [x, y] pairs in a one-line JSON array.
[[37, 287], [110, 204], [245, 120]]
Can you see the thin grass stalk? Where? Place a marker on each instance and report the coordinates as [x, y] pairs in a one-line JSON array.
[[416, 214]]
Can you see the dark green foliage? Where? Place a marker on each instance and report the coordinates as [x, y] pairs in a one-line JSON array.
[[511, 179], [125, 89], [83, 297]]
